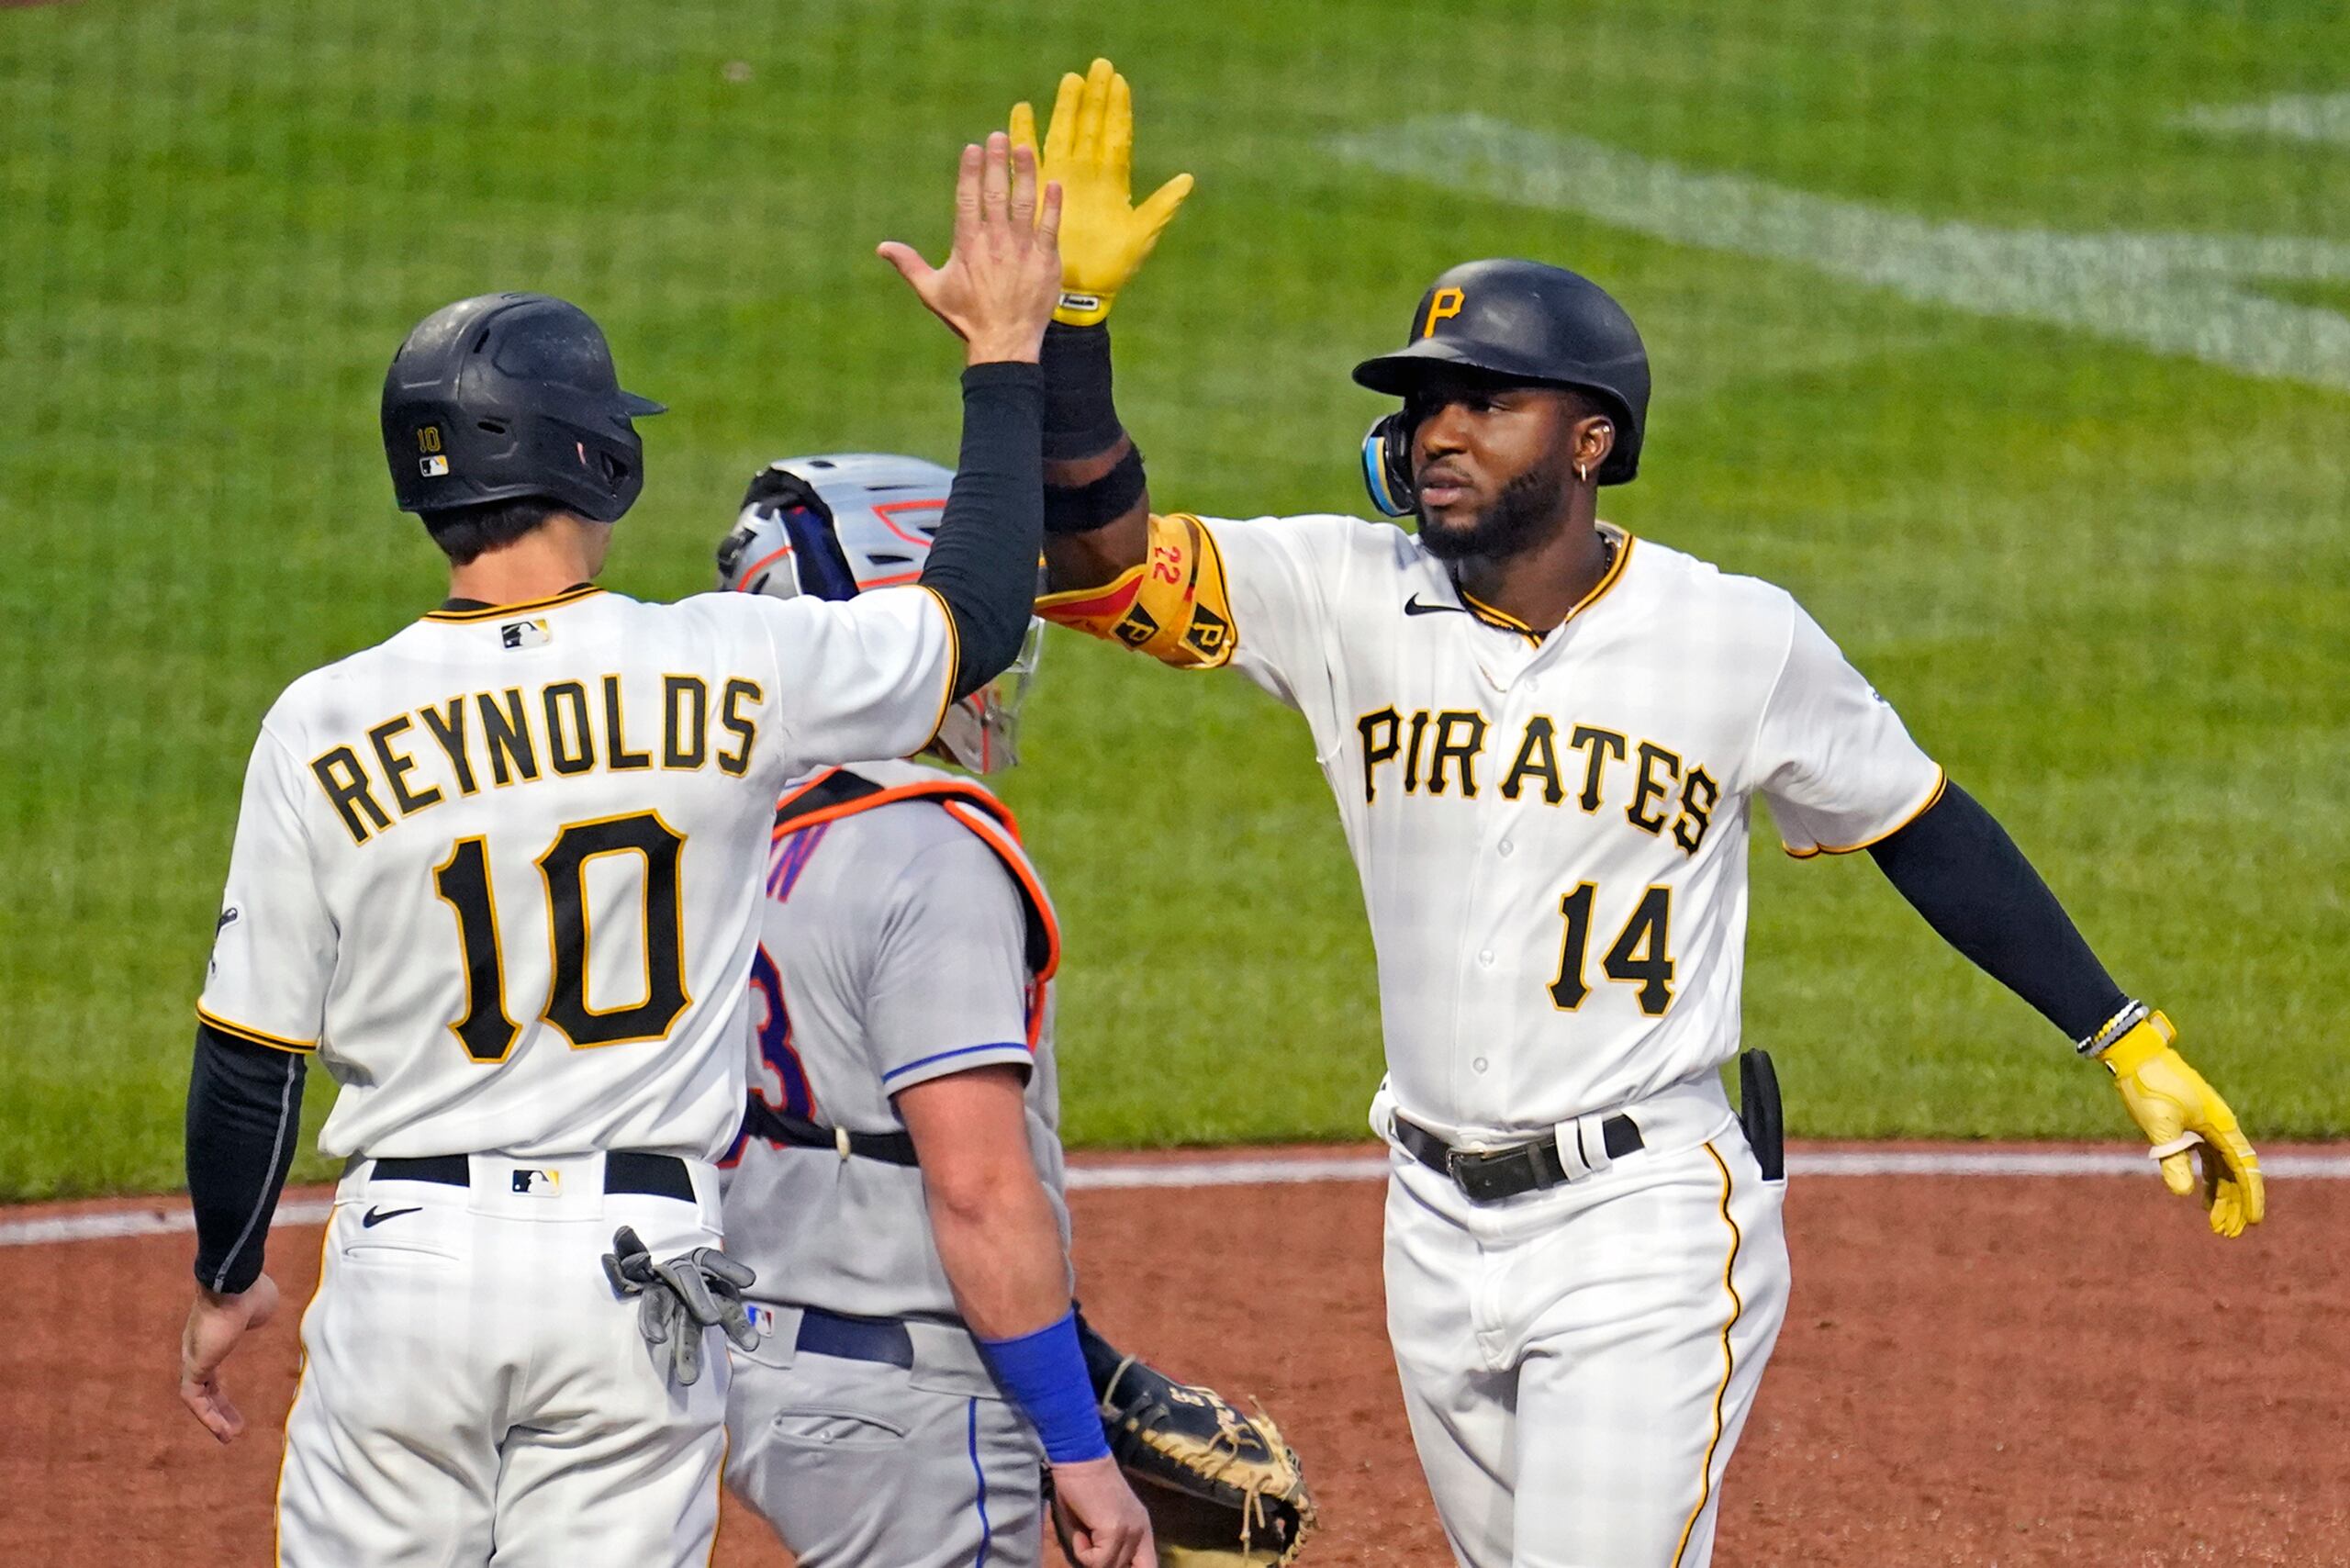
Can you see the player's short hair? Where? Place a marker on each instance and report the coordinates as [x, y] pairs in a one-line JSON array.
[[465, 532]]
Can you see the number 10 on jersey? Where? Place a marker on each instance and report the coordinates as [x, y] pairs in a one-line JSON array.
[[488, 1030], [1641, 954]]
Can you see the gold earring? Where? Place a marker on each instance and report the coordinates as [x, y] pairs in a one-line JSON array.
[[1583, 472]]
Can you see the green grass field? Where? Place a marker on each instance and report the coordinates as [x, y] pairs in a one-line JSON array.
[[2094, 553]]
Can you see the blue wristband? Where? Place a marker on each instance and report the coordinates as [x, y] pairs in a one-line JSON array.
[[1045, 1374]]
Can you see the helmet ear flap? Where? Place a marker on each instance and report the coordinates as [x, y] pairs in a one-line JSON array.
[[1387, 465]]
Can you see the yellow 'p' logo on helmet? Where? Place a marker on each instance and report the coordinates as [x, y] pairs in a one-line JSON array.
[[1443, 303]]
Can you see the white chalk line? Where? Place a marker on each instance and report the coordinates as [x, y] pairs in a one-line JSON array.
[[1244, 1172], [2181, 294], [2295, 117]]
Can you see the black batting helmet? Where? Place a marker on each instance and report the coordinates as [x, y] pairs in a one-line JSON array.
[[508, 395], [1518, 321]]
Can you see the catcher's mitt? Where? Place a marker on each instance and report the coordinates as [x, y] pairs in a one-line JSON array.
[[1223, 1489]]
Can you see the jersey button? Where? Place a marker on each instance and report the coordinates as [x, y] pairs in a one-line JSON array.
[[1506, 847], [1486, 957], [1479, 1064]]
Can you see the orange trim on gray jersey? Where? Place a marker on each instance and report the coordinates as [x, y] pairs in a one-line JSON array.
[[994, 818]]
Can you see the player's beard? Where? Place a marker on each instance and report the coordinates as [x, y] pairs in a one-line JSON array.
[[1519, 519]]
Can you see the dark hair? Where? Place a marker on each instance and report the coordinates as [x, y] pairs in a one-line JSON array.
[[465, 532]]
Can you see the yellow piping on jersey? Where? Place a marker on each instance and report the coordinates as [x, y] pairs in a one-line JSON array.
[[1729, 1362], [954, 667], [257, 1036], [1941, 782], [506, 611], [301, 1382], [1501, 620]]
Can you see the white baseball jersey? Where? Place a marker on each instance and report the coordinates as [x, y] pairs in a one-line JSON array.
[[501, 869], [1551, 829], [903, 936]]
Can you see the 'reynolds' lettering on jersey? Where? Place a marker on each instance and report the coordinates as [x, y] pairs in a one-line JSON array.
[[1440, 753], [412, 760]]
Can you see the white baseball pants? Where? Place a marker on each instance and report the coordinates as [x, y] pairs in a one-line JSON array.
[[1577, 1362], [473, 1393]]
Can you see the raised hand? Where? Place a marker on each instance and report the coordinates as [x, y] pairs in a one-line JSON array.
[[1088, 152], [1002, 278]]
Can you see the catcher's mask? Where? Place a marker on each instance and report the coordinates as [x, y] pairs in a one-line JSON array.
[[834, 526]]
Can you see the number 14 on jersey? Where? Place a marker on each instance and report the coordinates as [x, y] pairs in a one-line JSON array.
[[1641, 954]]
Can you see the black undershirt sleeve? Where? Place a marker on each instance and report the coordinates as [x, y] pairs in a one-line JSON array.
[[1962, 872], [244, 1113], [983, 560]]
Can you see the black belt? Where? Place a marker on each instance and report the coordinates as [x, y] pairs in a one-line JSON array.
[[1489, 1175], [625, 1171], [764, 1121], [882, 1340]]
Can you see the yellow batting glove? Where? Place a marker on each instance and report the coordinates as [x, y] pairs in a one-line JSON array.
[[2179, 1112], [1088, 147]]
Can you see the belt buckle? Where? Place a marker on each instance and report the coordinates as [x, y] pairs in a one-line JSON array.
[[1472, 1170]]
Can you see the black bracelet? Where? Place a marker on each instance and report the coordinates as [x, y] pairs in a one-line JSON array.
[[1082, 508]]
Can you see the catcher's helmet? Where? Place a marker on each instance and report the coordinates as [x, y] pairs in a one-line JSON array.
[[833, 527], [507, 394], [1517, 322]]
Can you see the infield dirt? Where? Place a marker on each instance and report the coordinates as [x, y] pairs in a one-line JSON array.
[[1977, 1370]]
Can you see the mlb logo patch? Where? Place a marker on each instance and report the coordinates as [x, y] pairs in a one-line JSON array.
[[761, 1319], [525, 634], [538, 1183], [433, 468]]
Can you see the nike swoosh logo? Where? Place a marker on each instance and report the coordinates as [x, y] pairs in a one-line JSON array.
[[374, 1217], [1414, 606]]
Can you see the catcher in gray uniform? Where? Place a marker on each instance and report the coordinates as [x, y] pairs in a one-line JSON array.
[[923, 1391]]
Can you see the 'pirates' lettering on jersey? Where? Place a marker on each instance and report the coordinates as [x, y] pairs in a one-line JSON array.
[[1551, 827], [520, 736], [1441, 753]]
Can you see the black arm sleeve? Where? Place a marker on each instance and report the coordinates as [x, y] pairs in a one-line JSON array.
[[1080, 419], [1081, 425], [983, 561], [1958, 866], [244, 1111]]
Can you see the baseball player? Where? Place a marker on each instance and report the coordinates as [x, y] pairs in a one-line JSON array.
[[898, 1181], [1543, 735], [915, 1260], [499, 873]]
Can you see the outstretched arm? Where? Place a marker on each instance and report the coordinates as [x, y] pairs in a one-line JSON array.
[[1962, 872], [1097, 502], [1096, 505]]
